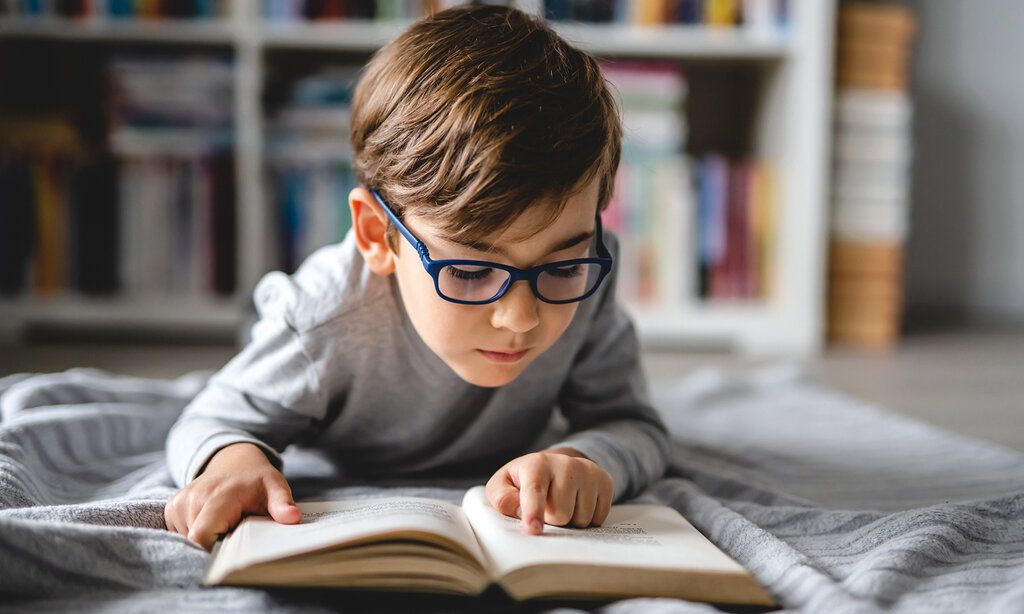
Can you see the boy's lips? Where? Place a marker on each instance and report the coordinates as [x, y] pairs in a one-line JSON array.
[[504, 356]]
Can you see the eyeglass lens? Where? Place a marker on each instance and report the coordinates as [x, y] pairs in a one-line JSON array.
[[481, 284]]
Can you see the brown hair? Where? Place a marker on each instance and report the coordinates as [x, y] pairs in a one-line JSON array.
[[475, 113]]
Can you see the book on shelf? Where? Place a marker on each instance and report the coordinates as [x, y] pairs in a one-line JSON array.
[[172, 131], [147, 208], [187, 92], [688, 226], [310, 172], [312, 210], [428, 545], [736, 210], [651, 209], [852, 258], [865, 293], [177, 225], [887, 23], [874, 46], [57, 209], [855, 290], [93, 226], [872, 109], [58, 223], [877, 221]]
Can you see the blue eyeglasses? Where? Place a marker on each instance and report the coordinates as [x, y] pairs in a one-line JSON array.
[[478, 282]]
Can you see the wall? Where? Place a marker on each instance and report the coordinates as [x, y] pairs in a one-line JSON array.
[[966, 250]]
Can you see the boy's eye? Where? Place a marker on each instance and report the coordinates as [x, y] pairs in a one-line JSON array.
[[565, 271], [470, 273]]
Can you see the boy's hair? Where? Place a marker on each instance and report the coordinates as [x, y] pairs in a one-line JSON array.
[[473, 114]]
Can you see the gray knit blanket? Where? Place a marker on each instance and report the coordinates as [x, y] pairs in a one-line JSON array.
[[833, 504]]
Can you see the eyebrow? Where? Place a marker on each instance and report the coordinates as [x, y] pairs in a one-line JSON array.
[[497, 249]]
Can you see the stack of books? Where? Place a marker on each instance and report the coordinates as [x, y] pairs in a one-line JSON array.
[[146, 209], [688, 226], [117, 9], [651, 208], [172, 131], [310, 163], [872, 157], [58, 208], [753, 14]]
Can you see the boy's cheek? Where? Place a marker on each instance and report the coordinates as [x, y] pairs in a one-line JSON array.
[[456, 332]]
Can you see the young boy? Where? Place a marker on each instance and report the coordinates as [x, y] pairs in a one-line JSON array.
[[473, 296]]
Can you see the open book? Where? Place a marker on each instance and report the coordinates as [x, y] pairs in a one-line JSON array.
[[420, 544]]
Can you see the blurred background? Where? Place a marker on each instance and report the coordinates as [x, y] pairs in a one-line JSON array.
[[832, 183]]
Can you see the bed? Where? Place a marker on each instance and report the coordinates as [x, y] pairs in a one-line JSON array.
[[835, 505]]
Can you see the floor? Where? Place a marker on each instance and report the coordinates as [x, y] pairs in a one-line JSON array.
[[971, 382]]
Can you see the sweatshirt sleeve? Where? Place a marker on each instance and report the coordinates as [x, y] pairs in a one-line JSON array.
[[267, 395], [605, 400]]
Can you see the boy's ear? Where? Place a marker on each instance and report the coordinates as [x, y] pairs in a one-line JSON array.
[[369, 224]]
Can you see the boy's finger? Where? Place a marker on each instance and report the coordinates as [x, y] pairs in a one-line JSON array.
[[604, 505], [533, 495], [191, 506], [502, 493], [562, 499], [280, 504], [175, 522], [216, 518], [169, 519], [586, 504]]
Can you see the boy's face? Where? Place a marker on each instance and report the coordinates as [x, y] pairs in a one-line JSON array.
[[490, 345]]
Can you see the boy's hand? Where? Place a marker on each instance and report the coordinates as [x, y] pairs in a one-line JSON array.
[[237, 480], [558, 487]]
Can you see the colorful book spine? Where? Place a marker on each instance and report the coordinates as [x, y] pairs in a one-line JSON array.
[[118, 9], [736, 224], [50, 266], [651, 210], [755, 14], [153, 215], [311, 165]]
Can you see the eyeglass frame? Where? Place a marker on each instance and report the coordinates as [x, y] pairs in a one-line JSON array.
[[434, 267]]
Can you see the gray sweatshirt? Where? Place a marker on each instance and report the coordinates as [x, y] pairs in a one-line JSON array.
[[335, 364]]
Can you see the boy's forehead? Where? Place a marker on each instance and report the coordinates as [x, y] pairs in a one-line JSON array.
[[538, 229], [537, 222]]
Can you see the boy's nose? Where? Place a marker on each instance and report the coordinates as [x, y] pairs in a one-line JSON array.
[[517, 310]]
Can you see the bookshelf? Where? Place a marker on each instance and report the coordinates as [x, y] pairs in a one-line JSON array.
[[129, 31], [787, 74]]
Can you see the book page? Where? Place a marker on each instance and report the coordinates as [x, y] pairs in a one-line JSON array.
[[259, 539], [651, 536]]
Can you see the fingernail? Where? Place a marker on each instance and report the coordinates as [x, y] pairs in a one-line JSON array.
[[534, 525]]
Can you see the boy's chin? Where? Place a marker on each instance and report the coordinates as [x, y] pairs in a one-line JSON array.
[[487, 376]]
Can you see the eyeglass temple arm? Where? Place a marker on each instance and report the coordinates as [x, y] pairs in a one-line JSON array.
[[602, 251], [421, 249]]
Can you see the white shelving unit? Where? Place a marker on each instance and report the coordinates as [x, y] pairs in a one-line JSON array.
[[791, 133]]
